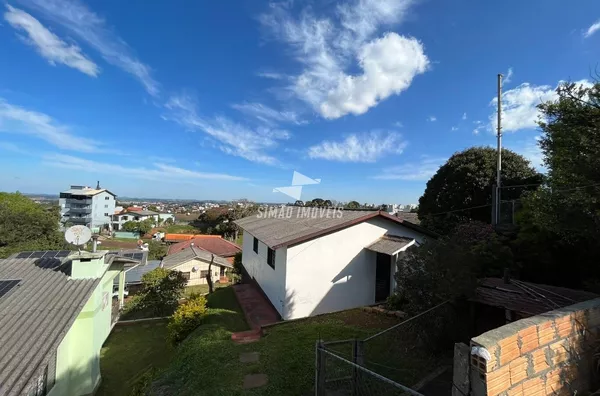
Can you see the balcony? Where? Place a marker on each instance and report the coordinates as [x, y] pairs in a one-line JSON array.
[[79, 209], [79, 220], [80, 202]]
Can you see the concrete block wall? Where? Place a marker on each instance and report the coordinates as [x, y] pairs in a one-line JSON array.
[[548, 354]]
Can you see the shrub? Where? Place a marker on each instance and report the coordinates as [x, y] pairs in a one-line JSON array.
[[142, 384], [187, 317]]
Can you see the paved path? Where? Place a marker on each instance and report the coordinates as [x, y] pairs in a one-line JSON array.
[[257, 310], [253, 380]]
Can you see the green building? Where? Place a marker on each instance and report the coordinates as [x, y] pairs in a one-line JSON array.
[[56, 311]]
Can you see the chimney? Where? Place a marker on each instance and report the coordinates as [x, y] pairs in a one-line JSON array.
[[98, 185], [88, 265], [94, 243]]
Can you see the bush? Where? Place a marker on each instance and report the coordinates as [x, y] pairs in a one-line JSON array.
[[187, 318]]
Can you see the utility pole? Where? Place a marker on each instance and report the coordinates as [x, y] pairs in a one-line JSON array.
[[499, 167]]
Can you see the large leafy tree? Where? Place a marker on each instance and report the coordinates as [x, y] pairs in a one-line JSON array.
[[560, 222], [26, 225], [466, 181]]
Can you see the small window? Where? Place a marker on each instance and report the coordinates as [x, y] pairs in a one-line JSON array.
[[106, 206], [271, 258], [125, 217], [105, 214], [203, 274], [255, 246], [186, 275], [106, 198]]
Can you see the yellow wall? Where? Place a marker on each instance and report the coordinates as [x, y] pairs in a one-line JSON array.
[[195, 276]]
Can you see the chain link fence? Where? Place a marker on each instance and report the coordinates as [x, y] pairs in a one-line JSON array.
[[382, 363]]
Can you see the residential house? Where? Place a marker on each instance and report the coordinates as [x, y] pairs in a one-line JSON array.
[[211, 243], [138, 215], [312, 260], [133, 276], [194, 263], [87, 206], [56, 311]]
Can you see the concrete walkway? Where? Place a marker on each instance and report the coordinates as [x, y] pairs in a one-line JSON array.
[[257, 310]]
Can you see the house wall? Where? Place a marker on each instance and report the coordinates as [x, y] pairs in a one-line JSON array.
[[272, 281], [78, 355], [103, 207], [546, 354], [335, 272], [195, 276]]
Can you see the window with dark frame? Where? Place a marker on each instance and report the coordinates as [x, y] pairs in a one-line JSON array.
[[186, 275], [255, 245], [271, 258], [203, 274]]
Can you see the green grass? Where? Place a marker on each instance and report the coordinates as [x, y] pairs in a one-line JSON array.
[[207, 363], [129, 352], [201, 289]]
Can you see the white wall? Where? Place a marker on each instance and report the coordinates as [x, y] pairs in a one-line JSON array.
[[102, 203], [335, 272], [272, 281]]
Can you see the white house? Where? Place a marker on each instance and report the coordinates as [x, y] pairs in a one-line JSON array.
[[309, 264], [139, 215], [194, 263]]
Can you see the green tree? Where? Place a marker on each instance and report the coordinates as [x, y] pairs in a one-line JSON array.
[[353, 205], [26, 225], [161, 290], [156, 250], [298, 203], [130, 226], [560, 222], [145, 226], [466, 181]]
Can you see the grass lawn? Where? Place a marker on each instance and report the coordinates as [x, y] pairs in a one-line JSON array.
[[129, 352], [207, 363], [201, 289]]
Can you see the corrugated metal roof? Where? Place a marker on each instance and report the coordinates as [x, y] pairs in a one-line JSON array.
[[175, 259], [86, 191], [525, 297], [305, 223], [389, 244], [34, 318], [134, 275], [211, 243]]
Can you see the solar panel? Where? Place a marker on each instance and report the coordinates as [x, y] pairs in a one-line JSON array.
[[7, 284], [138, 256], [48, 263], [130, 255], [23, 255], [37, 254], [49, 253], [62, 253]]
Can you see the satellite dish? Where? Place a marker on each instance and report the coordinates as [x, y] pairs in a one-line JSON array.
[[78, 235], [194, 269]]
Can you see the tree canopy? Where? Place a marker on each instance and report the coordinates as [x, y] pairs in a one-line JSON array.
[[466, 181], [26, 225]]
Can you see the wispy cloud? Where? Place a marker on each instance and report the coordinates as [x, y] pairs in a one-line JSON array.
[[272, 75], [422, 170], [48, 44], [91, 28], [519, 106], [479, 126], [592, 29], [368, 147], [328, 46], [232, 137], [8, 146], [268, 115], [157, 172], [432, 119], [464, 116], [16, 119], [454, 129], [531, 150], [508, 76], [398, 124]]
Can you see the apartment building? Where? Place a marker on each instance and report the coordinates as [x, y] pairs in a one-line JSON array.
[[92, 207]]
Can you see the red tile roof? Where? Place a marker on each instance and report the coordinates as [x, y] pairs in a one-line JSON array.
[[179, 237], [211, 243]]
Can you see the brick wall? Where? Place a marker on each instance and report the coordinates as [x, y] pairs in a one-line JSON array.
[[548, 354]]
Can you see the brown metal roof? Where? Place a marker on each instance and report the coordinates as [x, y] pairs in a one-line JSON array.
[[34, 318], [296, 228], [389, 244], [527, 298], [192, 252]]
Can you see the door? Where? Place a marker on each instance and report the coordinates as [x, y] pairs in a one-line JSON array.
[[383, 275]]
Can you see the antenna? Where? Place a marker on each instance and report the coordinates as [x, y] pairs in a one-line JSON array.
[[78, 235]]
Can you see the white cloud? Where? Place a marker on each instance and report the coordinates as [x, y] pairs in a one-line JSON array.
[[8, 146], [233, 138], [479, 126], [16, 119], [454, 128], [49, 45], [158, 171], [398, 124], [592, 29], [464, 116], [267, 114], [531, 150], [366, 147], [272, 75], [89, 27], [432, 119], [326, 47], [508, 76], [422, 170], [519, 106]]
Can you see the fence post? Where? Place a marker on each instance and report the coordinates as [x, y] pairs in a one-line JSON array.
[[357, 358], [319, 369]]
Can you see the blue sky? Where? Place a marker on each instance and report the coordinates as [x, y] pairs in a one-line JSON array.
[[225, 99]]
